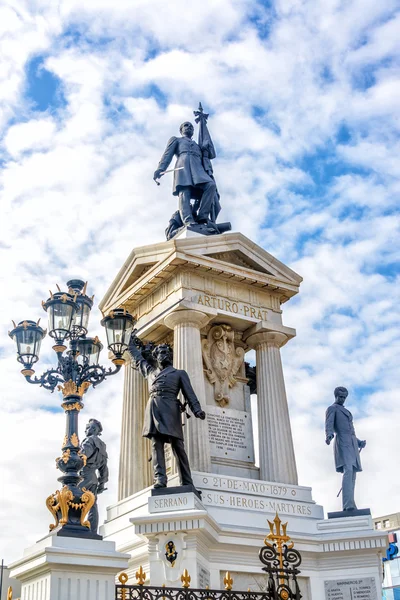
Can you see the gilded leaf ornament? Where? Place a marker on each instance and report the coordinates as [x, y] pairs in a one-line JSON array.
[[186, 579], [74, 440], [69, 388]]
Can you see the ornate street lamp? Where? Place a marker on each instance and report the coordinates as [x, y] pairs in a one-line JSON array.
[[77, 369]]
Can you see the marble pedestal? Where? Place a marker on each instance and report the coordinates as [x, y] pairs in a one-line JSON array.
[[225, 530], [66, 568]]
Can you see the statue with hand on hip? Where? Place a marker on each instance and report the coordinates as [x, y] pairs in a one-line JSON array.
[[339, 425], [163, 416]]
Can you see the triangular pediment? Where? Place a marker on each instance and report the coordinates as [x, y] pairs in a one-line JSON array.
[[237, 250], [231, 256], [137, 272], [239, 259]]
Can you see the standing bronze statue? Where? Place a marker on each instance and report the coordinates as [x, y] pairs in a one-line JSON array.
[[163, 417], [193, 180], [339, 423], [95, 471]]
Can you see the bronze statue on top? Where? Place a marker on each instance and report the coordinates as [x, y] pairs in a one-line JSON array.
[[193, 180]]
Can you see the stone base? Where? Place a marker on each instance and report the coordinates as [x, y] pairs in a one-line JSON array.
[[225, 531], [61, 568], [179, 489], [201, 229], [357, 512], [71, 531]]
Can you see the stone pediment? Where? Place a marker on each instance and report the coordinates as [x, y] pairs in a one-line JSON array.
[[240, 259], [230, 256]]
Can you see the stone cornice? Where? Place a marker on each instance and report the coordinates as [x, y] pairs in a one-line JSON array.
[[192, 254]]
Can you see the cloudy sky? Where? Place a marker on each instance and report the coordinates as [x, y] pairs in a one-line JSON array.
[[304, 103]]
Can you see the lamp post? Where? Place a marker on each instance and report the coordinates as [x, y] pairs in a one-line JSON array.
[[77, 369]]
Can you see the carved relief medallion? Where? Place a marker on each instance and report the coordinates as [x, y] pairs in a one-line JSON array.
[[223, 361]]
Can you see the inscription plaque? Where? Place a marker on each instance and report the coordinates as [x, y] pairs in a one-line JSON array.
[[351, 589], [230, 433], [203, 576]]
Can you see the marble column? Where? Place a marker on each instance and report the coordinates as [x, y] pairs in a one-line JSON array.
[[277, 459], [187, 355], [135, 471]]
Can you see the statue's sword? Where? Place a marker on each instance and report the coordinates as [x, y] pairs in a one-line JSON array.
[[169, 171], [341, 489]]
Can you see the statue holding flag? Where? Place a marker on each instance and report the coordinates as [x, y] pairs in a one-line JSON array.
[[193, 180]]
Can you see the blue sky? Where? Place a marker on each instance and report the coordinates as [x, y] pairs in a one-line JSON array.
[[304, 104]]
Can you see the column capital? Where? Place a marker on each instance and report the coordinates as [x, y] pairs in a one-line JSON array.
[[268, 332], [272, 338], [195, 318]]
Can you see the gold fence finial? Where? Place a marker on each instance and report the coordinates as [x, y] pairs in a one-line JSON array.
[[186, 579], [140, 576], [123, 578], [279, 538], [228, 581], [9, 593], [277, 533]]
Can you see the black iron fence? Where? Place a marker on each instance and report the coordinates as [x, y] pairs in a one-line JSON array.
[[280, 560]]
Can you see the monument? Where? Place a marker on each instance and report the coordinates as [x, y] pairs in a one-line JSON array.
[[213, 297], [339, 425]]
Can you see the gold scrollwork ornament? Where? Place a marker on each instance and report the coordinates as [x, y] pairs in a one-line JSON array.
[[88, 500], [59, 502]]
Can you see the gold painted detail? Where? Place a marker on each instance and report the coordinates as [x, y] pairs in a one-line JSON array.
[[69, 388], [186, 579], [83, 457], [87, 501], [123, 578], [65, 440], [75, 406], [118, 361], [59, 501], [278, 536], [9, 593], [74, 440], [83, 387], [228, 581], [27, 372], [171, 553], [59, 348], [140, 576], [65, 456], [223, 361], [62, 501]]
